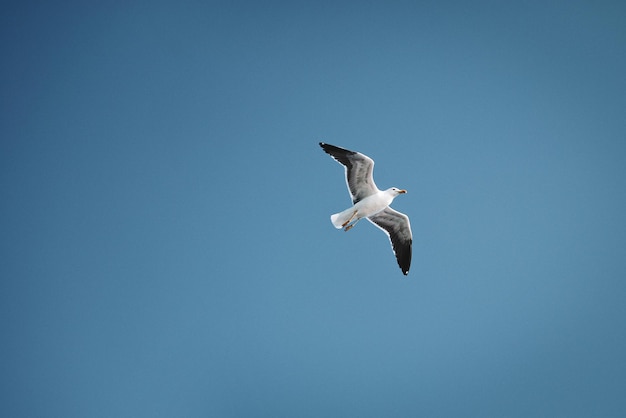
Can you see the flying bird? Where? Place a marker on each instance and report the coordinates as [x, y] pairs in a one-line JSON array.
[[371, 203]]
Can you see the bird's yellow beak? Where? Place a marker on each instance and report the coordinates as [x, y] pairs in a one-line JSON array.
[[402, 191]]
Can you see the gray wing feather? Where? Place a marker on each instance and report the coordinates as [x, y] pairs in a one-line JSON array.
[[359, 171], [398, 228]]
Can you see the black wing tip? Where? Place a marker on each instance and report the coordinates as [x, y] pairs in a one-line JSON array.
[[405, 270], [404, 259], [330, 149], [327, 148]]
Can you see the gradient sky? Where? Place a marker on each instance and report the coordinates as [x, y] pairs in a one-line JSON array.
[[165, 238]]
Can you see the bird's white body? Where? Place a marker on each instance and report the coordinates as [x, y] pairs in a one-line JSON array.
[[369, 206]]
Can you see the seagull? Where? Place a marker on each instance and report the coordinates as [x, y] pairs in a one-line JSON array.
[[371, 203]]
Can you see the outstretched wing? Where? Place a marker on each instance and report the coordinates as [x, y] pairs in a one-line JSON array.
[[359, 169], [398, 228]]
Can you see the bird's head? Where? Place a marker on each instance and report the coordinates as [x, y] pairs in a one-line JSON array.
[[397, 191]]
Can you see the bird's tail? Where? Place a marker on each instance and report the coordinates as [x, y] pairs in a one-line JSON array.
[[338, 219]]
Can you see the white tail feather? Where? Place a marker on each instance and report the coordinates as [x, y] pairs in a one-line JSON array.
[[338, 219]]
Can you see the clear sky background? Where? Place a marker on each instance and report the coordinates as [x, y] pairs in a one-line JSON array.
[[166, 248]]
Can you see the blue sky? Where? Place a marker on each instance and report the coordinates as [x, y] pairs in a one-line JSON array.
[[165, 235]]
